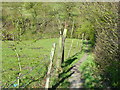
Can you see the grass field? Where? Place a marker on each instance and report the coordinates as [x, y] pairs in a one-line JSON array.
[[34, 59]]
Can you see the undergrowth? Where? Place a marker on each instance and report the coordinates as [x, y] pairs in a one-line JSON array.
[[90, 73], [62, 80]]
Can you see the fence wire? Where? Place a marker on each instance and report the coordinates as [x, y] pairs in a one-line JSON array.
[[45, 58]]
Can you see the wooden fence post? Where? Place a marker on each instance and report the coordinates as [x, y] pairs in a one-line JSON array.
[[59, 57], [77, 46], [50, 66], [19, 64], [81, 45], [72, 40], [63, 43], [83, 36], [70, 49], [72, 29]]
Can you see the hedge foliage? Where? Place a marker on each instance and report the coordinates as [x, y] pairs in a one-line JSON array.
[[106, 48]]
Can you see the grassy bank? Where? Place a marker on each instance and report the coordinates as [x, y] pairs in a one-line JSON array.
[[62, 81], [90, 73]]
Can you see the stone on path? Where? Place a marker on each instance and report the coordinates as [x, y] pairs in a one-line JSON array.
[[75, 80]]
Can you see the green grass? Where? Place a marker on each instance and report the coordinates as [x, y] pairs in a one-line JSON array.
[[88, 69], [70, 62], [90, 73], [62, 81], [34, 56]]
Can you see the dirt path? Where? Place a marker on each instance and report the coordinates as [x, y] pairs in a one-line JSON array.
[[75, 79]]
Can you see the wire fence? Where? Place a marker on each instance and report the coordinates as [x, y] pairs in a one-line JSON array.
[[22, 75], [40, 66]]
